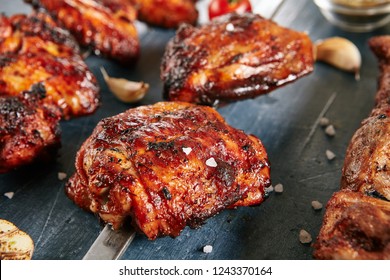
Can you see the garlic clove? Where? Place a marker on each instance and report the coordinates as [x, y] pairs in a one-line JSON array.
[[125, 90], [14, 243], [339, 52]]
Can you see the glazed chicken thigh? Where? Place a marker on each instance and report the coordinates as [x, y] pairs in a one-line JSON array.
[[33, 49], [29, 128], [233, 57], [166, 166], [105, 26]]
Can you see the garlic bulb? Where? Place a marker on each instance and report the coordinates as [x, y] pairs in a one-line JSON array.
[[340, 53], [125, 90], [14, 243]]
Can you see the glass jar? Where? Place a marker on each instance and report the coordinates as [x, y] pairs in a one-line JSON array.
[[356, 15]]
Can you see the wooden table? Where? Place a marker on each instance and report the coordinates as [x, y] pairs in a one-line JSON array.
[[286, 120]]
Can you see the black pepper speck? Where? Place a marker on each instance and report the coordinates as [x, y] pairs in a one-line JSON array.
[[166, 193]]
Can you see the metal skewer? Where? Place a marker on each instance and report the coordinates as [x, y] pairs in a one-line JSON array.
[[110, 244]]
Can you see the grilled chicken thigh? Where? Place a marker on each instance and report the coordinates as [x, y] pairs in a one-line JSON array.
[[29, 128], [357, 220], [106, 26], [356, 226], [166, 13], [33, 49], [367, 161], [233, 57], [166, 166], [42, 78]]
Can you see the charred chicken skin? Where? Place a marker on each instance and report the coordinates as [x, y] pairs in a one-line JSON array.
[[166, 13], [33, 49], [29, 128], [42, 78], [233, 57], [357, 221], [105, 26], [166, 166]]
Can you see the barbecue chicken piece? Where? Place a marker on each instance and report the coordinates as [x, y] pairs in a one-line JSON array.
[[42, 78], [357, 220], [356, 226], [367, 161], [166, 13], [33, 49], [166, 166], [29, 128], [233, 57], [106, 26]]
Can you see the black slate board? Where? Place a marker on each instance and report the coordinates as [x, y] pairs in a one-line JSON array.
[[285, 120]]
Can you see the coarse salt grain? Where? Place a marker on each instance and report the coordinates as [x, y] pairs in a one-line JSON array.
[[186, 150], [211, 162], [207, 249], [10, 195], [305, 237], [316, 205], [278, 188], [230, 27], [330, 131], [61, 176], [324, 122], [330, 155]]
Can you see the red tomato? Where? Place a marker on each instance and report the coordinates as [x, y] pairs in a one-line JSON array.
[[221, 7]]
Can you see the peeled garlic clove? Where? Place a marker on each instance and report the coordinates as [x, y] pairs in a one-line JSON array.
[[340, 53], [14, 243], [125, 90]]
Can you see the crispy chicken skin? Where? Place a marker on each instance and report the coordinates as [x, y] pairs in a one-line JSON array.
[[32, 50], [28, 128], [357, 220], [233, 57], [167, 166], [166, 13], [106, 26]]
